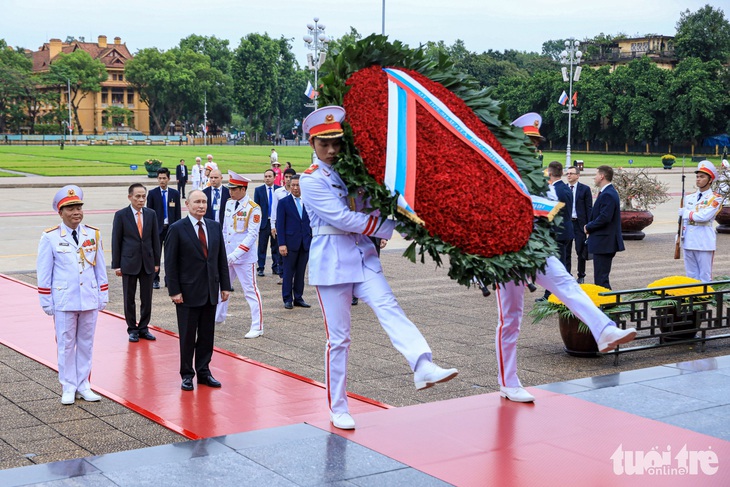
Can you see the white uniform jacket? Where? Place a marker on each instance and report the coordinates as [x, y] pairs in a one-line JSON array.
[[340, 244], [700, 210], [241, 230], [71, 276], [196, 175]]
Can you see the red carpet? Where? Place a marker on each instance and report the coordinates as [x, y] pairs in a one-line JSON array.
[[560, 440], [144, 376]]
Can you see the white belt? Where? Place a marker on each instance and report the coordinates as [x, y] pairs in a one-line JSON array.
[[700, 224], [328, 230]]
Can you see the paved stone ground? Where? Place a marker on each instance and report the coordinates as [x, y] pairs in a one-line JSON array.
[[458, 323]]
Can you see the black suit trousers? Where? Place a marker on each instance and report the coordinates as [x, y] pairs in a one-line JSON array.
[[163, 235], [129, 290], [181, 187], [295, 264], [266, 239], [580, 243], [196, 327], [602, 268]]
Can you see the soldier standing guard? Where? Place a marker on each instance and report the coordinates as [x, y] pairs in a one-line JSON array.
[[343, 263], [698, 234], [240, 234], [73, 288]]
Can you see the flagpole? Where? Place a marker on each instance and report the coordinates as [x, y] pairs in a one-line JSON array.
[[572, 56]]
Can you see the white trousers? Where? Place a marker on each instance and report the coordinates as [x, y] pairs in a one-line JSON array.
[[75, 341], [336, 301], [246, 274], [510, 302], [698, 264]]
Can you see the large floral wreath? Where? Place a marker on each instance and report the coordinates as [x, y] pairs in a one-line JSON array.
[[487, 244]]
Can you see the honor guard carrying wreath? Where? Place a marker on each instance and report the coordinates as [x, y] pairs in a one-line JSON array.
[[343, 263], [240, 234], [73, 288]]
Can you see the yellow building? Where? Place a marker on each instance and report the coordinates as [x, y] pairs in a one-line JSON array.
[[115, 91], [660, 49]]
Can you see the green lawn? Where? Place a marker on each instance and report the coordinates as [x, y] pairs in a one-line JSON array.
[[115, 160]]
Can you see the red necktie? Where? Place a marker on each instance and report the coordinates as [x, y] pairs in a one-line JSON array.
[[203, 241]]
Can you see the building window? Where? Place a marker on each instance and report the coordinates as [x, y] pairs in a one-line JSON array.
[[104, 97], [130, 98], [117, 96]]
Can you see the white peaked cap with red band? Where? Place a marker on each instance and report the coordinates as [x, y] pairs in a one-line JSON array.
[[237, 181], [325, 122], [708, 168], [530, 123], [67, 196]]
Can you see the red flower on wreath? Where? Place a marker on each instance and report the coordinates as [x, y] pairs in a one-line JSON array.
[[462, 199]]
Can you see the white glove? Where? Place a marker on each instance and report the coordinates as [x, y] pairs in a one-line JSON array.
[[681, 212], [102, 306], [231, 259], [48, 310]]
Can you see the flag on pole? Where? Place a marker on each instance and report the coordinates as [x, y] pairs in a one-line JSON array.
[[575, 99], [310, 92], [563, 98]]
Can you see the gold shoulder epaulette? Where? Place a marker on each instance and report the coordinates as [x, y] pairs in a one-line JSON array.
[[311, 169], [253, 205], [93, 228], [51, 229]]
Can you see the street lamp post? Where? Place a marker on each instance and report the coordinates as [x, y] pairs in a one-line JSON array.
[[571, 56], [316, 41]]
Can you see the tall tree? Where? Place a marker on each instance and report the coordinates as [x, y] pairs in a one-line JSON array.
[[704, 34], [699, 101], [85, 75], [14, 74]]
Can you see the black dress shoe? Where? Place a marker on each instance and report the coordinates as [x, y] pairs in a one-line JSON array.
[[156, 285], [302, 304], [134, 337], [354, 301], [187, 384], [288, 305], [209, 381], [147, 336], [580, 280], [260, 273], [540, 300]]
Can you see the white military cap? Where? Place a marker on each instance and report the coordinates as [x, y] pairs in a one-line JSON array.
[[325, 122], [530, 124], [708, 168], [211, 165], [67, 196], [237, 181]]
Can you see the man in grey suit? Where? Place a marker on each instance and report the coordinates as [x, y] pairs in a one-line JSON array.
[[136, 258], [196, 266], [604, 227]]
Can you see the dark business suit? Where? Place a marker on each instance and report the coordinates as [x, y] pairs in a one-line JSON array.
[[137, 258], [199, 279], [261, 198], [294, 232], [604, 234], [156, 203], [221, 212], [583, 203], [181, 174], [563, 233]]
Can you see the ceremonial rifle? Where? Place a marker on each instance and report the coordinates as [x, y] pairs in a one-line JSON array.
[[678, 243]]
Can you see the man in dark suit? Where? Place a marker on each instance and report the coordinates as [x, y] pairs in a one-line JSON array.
[[294, 236], [197, 271], [582, 206], [604, 227], [181, 174], [563, 233], [264, 197], [217, 195], [166, 203], [136, 258]]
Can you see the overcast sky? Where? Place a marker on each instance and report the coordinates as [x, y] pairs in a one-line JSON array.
[[482, 25]]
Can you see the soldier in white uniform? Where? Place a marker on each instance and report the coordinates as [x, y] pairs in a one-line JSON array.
[[343, 263], [73, 288], [557, 280], [240, 234], [698, 233], [197, 174]]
